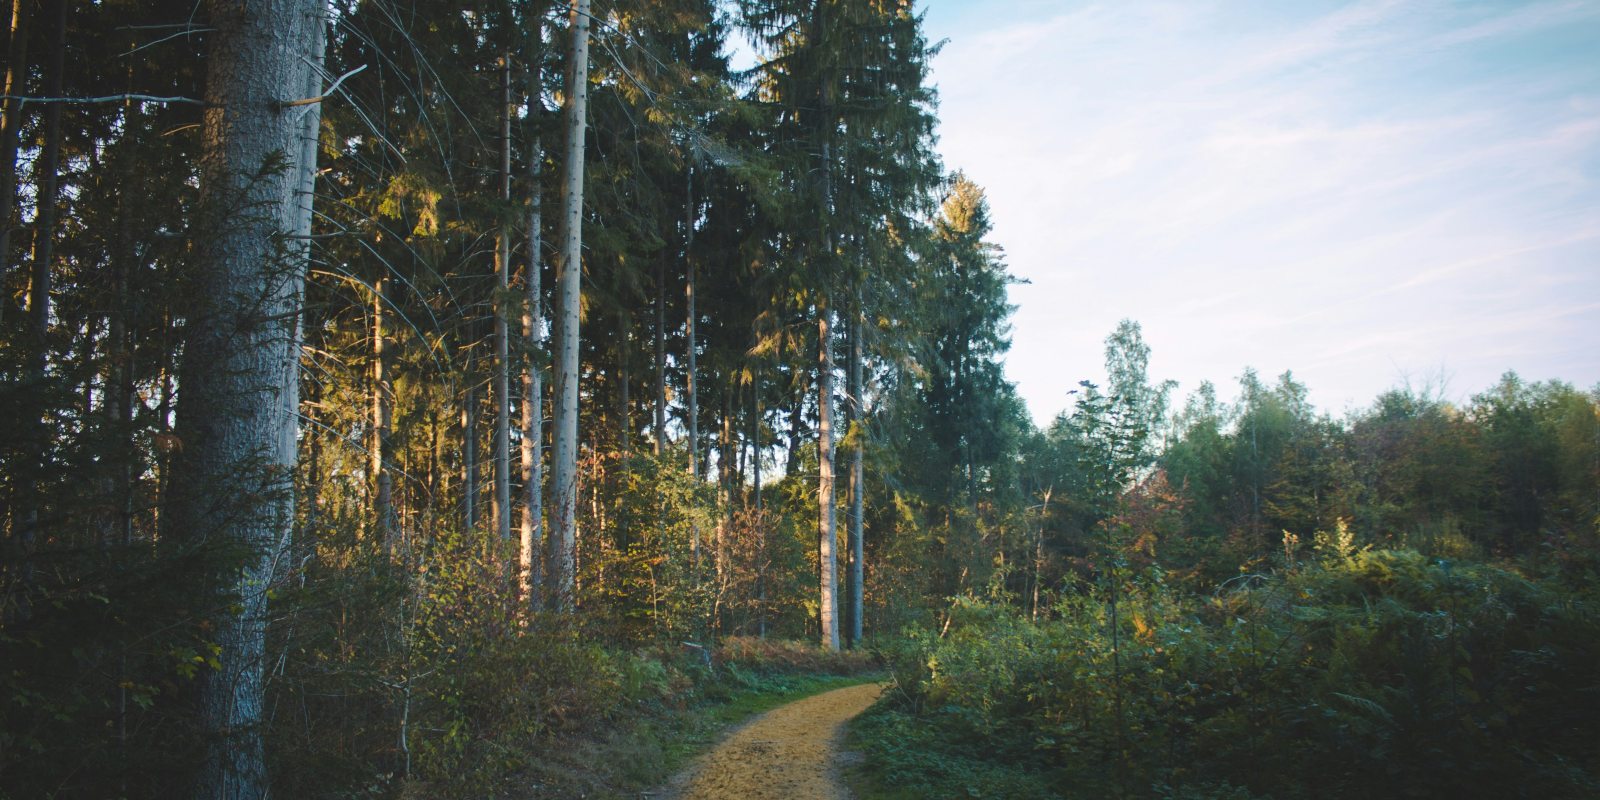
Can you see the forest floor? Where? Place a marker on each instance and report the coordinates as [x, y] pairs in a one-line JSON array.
[[792, 752]]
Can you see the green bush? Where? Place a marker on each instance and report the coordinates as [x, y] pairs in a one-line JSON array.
[[1371, 673]]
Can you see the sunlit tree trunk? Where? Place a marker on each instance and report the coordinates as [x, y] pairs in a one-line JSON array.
[[240, 390], [382, 417], [569, 267]]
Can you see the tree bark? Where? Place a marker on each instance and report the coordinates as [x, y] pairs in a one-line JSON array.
[[48, 179], [502, 334], [382, 417], [119, 374], [827, 557], [11, 129], [239, 398], [827, 534], [660, 422], [569, 268], [691, 346], [856, 553], [469, 438], [761, 522], [532, 531], [791, 465]]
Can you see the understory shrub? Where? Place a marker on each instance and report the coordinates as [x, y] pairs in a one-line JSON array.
[[1367, 674]]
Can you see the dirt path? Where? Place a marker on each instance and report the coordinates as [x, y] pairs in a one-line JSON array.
[[788, 753]]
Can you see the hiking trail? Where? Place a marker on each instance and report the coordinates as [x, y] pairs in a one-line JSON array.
[[789, 753]]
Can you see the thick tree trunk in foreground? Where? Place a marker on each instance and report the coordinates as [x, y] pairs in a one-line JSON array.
[[240, 389], [569, 268]]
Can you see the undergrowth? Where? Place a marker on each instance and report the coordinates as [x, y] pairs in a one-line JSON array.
[[1368, 674]]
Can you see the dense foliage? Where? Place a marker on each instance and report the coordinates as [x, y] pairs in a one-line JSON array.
[[1273, 603], [1374, 673]]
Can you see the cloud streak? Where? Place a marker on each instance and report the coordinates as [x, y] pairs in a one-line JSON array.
[[1259, 185]]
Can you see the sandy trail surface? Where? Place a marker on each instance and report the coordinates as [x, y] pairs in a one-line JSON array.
[[790, 752]]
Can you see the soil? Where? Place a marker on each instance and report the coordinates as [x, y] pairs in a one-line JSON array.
[[789, 753]]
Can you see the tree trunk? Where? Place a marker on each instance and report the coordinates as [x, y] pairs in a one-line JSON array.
[[660, 422], [725, 480], [690, 384], [827, 557], [38, 430], [11, 129], [856, 554], [530, 546], [502, 335], [469, 439], [791, 465], [240, 389], [47, 177], [382, 417], [826, 531], [569, 267], [624, 381], [761, 523], [119, 375]]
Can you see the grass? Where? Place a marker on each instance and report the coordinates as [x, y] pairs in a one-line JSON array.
[[905, 758]]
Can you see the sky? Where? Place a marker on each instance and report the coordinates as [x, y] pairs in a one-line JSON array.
[[1365, 193]]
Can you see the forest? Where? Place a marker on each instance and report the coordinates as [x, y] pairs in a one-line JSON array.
[[413, 399]]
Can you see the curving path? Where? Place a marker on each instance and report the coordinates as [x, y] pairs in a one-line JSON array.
[[788, 753]]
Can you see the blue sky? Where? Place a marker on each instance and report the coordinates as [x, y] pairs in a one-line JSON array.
[[1365, 193]]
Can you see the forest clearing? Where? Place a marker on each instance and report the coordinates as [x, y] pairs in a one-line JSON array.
[[510, 398]]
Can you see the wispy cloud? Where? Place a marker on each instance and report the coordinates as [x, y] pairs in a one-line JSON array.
[[1244, 178]]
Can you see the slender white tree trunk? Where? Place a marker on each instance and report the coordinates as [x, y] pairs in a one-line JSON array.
[[569, 267], [690, 384], [240, 390], [827, 531], [531, 582]]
